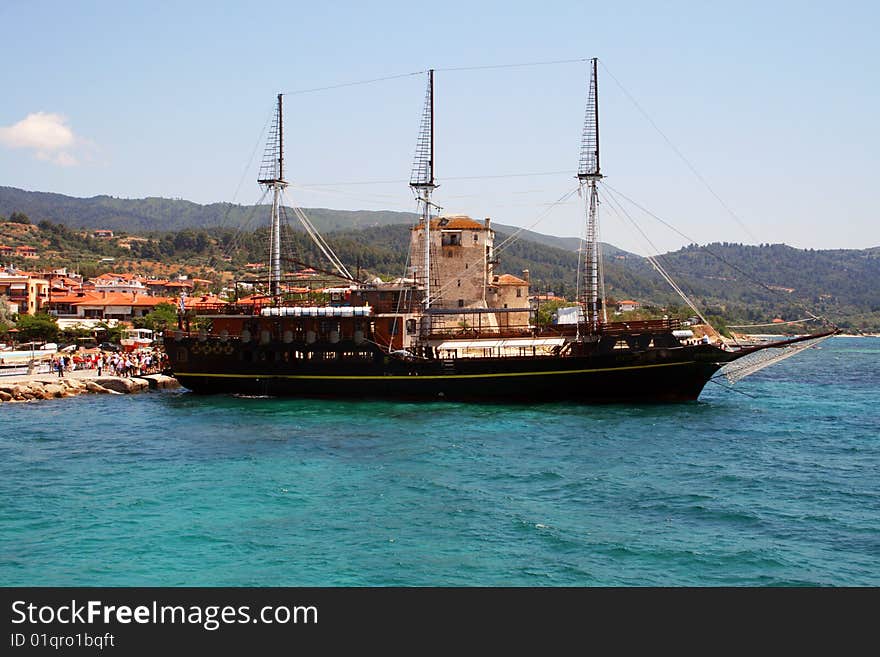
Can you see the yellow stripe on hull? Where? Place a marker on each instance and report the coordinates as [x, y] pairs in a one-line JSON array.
[[383, 377]]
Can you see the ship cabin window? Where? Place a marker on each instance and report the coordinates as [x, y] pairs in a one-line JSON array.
[[182, 355], [330, 355], [357, 355], [410, 326], [278, 356], [450, 238]]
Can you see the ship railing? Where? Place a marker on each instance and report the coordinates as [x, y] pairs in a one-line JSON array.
[[477, 332], [640, 326], [174, 335], [383, 307], [256, 308]]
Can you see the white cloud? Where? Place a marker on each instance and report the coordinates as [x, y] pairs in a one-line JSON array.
[[61, 158], [45, 133]]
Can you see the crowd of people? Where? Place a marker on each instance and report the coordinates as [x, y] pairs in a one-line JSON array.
[[135, 363]]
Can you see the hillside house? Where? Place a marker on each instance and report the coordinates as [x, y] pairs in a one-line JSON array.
[[26, 294], [122, 306]]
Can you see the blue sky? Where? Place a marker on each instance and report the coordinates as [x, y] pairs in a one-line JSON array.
[[773, 104]]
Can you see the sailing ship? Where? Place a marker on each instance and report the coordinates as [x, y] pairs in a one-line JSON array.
[[452, 329]]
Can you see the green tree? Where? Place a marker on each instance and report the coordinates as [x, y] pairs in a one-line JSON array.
[[110, 333], [546, 310], [37, 327], [19, 218], [161, 317], [75, 332], [6, 314]]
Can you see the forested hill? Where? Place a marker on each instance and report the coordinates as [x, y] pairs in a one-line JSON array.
[[724, 279], [741, 283], [837, 283], [163, 214]]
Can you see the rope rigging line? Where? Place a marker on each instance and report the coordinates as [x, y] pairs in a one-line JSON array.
[[448, 69], [720, 258], [653, 259], [319, 241], [731, 389], [388, 205], [224, 221], [517, 65], [515, 235], [353, 84], [510, 239], [793, 321], [680, 154], [405, 297], [236, 238], [758, 360], [446, 178]]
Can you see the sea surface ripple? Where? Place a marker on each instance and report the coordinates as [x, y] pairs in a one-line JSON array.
[[780, 487]]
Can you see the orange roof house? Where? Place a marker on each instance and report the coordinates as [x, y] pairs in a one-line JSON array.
[[122, 306], [26, 252]]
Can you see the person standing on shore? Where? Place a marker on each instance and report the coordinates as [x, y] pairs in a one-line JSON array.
[[99, 363], [60, 365]]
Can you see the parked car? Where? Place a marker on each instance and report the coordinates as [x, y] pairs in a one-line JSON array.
[[109, 346]]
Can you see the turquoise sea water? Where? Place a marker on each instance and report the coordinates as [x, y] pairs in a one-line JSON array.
[[780, 488]]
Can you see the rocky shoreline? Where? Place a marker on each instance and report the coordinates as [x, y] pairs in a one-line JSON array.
[[39, 388]]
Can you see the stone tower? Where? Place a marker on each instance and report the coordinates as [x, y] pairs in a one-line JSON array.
[[462, 260]]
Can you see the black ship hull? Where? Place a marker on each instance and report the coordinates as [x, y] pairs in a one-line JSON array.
[[349, 372]]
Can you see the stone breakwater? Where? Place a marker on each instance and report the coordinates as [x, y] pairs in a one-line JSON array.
[[34, 389]]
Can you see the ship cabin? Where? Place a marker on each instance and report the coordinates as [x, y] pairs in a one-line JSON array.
[[316, 322]]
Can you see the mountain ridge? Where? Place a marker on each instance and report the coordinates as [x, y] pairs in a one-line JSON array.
[[721, 277]]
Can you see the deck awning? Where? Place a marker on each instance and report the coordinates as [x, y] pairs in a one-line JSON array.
[[512, 343]]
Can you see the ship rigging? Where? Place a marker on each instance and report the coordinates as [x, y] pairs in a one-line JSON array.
[[454, 329]]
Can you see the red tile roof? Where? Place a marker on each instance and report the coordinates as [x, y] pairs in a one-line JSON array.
[[454, 222], [116, 299], [508, 279]]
